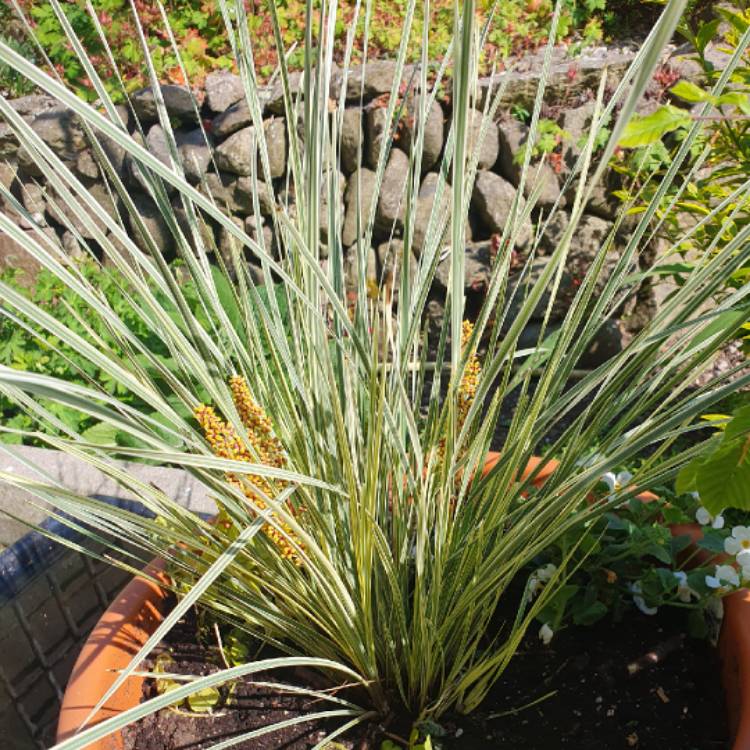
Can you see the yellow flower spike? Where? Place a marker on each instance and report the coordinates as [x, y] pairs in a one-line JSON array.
[[467, 388], [256, 422], [226, 443], [223, 439]]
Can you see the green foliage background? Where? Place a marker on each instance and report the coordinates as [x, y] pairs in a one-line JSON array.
[[199, 30], [25, 347]]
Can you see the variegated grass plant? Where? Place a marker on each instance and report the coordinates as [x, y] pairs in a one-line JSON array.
[[357, 534]]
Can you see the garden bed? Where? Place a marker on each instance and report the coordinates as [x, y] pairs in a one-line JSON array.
[[638, 683]]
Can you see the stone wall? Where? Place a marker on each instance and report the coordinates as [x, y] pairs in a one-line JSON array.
[[228, 125]]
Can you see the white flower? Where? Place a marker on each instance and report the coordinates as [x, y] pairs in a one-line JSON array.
[[545, 634], [704, 518], [539, 577], [546, 572], [724, 578], [739, 544], [639, 601], [684, 592], [616, 482]]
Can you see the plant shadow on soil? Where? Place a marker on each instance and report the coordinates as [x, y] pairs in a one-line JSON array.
[[640, 683]]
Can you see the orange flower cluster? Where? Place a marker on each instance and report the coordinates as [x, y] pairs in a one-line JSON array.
[[226, 443]]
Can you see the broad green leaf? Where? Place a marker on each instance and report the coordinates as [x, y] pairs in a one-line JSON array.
[[735, 99], [666, 579], [739, 426], [163, 663], [688, 91], [739, 23], [589, 613], [686, 33], [716, 420], [697, 579], [713, 540], [204, 701], [686, 478], [554, 610], [173, 441], [705, 34], [643, 131], [101, 434], [660, 552], [723, 479], [227, 298], [235, 648], [678, 543], [666, 269], [166, 685], [730, 319]]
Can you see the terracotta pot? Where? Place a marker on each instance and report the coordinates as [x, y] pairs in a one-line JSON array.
[[114, 641], [544, 473], [138, 611], [734, 649]]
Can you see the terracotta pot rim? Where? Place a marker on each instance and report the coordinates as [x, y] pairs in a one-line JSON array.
[[139, 609], [118, 635]]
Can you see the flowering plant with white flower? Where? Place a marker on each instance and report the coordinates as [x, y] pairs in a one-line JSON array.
[[312, 556], [632, 562], [722, 472], [616, 482], [725, 579], [684, 592], [738, 545], [705, 518], [636, 590], [539, 577], [546, 634]]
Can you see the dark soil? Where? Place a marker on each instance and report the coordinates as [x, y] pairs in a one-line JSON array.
[[251, 706], [673, 703], [599, 701]]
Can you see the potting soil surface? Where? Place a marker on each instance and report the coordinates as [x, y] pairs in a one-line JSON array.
[[640, 683]]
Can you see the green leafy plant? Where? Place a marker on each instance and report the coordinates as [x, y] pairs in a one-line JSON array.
[[32, 349], [199, 29], [714, 163], [11, 83], [361, 529], [203, 701], [630, 559], [722, 476], [28, 347], [416, 742], [549, 140], [520, 113]]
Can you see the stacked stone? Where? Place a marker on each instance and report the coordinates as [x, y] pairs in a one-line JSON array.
[[215, 139]]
